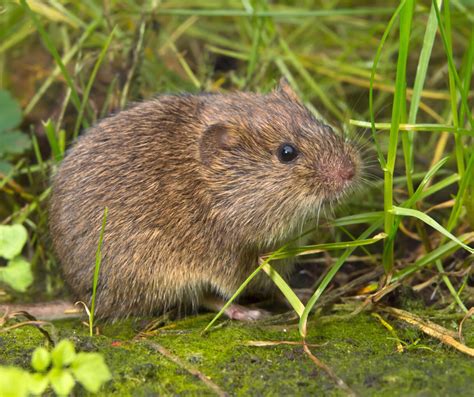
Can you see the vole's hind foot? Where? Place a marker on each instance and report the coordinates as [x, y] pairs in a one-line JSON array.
[[234, 311], [242, 313]]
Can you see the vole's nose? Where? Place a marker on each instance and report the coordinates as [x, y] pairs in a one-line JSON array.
[[336, 172], [346, 170]]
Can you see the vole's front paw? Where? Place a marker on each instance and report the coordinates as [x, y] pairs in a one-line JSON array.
[[242, 313]]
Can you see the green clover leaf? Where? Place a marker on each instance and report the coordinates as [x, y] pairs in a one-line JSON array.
[[13, 142], [61, 380], [14, 382], [10, 116], [63, 354], [40, 359], [91, 371], [17, 274], [38, 383], [12, 240]]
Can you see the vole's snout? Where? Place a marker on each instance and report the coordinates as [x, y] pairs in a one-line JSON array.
[[337, 172], [346, 171]]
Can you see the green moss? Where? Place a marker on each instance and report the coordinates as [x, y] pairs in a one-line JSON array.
[[360, 350]]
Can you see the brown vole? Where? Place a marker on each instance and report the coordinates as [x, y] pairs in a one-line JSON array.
[[197, 186]]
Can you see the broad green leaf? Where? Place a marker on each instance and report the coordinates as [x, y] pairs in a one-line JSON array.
[[61, 380], [91, 371], [12, 240], [10, 111], [13, 382], [38, 383], [13, 142], [63, 354], [40, 359], [17, 274], [430, 221], [5, 167]]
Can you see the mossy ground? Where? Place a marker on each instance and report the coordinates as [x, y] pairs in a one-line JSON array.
[[359, 349]]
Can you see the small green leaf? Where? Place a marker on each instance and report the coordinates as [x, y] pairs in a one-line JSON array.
[[10, 111], [13, 382], [41, 359], [17, 274], [13, 142], [5, 167], [61, 380], [12, 240], [91, 371], [63, 354], [38, 383]]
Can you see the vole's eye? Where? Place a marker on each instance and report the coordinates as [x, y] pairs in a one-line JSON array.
[[287, 153]]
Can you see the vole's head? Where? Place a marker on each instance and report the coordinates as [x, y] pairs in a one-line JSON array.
[[270, 165]]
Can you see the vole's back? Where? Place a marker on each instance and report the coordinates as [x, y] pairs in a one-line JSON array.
[[140, 164]]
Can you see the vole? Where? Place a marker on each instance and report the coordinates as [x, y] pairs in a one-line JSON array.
[[197, 188]]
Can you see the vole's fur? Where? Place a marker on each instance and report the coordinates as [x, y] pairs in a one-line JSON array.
[[195, 192]]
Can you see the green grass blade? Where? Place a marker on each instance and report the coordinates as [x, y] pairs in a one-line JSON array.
[[444, 183], [422, 127], [452, 66], [398, 112], [366, 217], [364, 11], [322, 95], [65, 60], [467, 75], [85, 96], [431, 222], [312, 249], [428, 41], [240, 289], [98, 261], [428, 176], [54, 53], [442, 251], [378, 54], [302, 326], [53, 140], [463, 188], [459, 150], [286, 290]]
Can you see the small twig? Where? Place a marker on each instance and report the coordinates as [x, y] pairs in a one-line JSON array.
[[425, 284], [434, 330], [329, 371], [468, 314], [31, 321], [391, 330], [264, 343], [193, 371]]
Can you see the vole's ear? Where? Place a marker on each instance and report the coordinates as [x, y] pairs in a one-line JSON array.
[[214, 139], [284, 88]]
